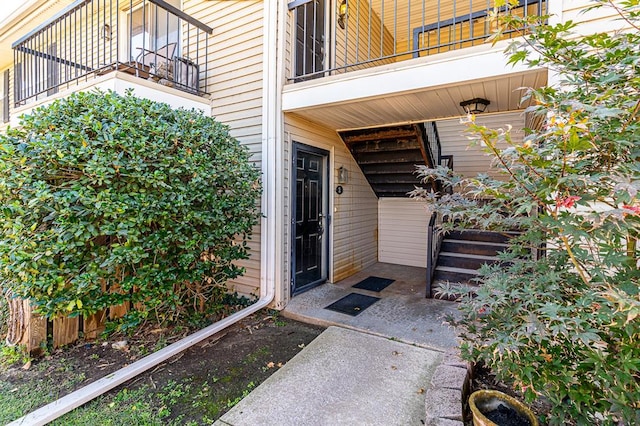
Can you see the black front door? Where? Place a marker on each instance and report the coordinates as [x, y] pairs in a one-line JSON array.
[[309, 218]]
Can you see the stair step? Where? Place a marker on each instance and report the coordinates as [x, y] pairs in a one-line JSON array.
[[436, 285], [456, 270], [465, 260], [472, 242], [468, 256], [486, 236], [455, 275], [481, 248]]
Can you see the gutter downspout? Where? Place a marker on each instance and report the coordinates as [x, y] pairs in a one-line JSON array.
[[270, 254]]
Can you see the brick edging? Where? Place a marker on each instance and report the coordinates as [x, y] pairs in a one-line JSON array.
[[449, 388]]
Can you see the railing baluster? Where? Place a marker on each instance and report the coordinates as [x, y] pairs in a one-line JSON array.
[[382, 53]]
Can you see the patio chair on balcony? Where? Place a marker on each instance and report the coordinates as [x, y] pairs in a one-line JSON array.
[[157, 63]]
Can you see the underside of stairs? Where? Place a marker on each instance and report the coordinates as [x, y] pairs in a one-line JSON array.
[[388, 157], [462, 253]]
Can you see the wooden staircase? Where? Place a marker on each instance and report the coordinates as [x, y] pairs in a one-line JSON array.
[[463, 252], [388, 156]]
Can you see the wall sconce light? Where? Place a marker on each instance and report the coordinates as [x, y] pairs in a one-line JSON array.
[[343, 175], [342, 13], [475, 106], [106, 32]]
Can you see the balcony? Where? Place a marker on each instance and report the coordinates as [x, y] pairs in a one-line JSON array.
[[334, 37], [146, 39]]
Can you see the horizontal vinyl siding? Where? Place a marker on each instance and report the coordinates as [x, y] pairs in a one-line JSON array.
[[235, 83], [402, 231], [355, 212], [596, 20], [471, 160]]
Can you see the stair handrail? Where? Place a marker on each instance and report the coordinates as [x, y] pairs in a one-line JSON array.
[[434, 241], [432, 143]]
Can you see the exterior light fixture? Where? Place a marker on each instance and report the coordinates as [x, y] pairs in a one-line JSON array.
[[106, 32], [475, 106], [343, 175], [342, 13]]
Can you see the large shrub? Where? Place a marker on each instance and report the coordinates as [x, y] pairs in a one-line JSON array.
[[108, 198], [564, 325]]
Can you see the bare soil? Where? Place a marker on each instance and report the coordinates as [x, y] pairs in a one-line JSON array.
[[209, 378]]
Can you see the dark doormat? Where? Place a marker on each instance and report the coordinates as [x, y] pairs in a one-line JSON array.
[[352, 304], [374, 284]]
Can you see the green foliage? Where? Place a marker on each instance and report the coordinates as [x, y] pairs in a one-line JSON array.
[[108, 199], [10, 355], [564, 324]]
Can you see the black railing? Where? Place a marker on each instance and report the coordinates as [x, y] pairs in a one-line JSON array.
[[373, 33], [151, 39], [434, 240], [434, 148]]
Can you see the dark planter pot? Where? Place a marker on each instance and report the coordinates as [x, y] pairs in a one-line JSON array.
[[485, 402]]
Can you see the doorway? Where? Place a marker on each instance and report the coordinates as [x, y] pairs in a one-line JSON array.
[[310, 218]]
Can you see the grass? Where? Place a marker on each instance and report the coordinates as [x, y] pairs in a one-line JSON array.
[[17, 400], [139, 404], [193, 389]]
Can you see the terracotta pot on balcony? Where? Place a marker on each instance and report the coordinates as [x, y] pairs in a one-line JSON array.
[[489, 405]]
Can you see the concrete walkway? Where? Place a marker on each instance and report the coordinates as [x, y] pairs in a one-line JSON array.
[[393, 364], [343, 377]]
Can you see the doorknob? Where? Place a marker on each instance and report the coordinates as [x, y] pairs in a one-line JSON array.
[[320, 224]]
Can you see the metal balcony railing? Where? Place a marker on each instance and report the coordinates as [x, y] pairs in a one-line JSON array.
[[336, 36], [151, 39]]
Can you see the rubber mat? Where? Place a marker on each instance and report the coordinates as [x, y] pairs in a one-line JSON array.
[[374, 284], [352, 304]]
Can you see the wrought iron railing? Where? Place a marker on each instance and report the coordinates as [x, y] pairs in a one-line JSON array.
[[434, 148], [434, 240], [344, 35], [151, 39], [434, 229]]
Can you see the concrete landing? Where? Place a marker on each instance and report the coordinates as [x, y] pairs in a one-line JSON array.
[[407, 318], [343, 377]]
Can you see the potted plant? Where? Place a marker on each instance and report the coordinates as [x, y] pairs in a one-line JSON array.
[[494, 408]]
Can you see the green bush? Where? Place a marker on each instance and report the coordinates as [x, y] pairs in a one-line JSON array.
[[564, 325], [108, 198]]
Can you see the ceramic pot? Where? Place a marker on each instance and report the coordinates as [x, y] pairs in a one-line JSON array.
[[484, 401]]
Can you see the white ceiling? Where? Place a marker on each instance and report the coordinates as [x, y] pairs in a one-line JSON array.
[[504, 93]]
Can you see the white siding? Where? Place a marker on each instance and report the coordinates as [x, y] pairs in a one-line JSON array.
[[235, 82], [354, 227], [602, 19], [403, 231], [471, 160]]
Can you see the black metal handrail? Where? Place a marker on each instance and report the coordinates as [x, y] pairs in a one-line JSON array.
[[434, 241], [386, 31], [151, 39], [434, 147]]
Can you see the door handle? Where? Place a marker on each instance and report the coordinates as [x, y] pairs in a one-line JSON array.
[[320, 224]]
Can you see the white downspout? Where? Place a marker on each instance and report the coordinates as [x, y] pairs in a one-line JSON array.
[[269, 257]]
